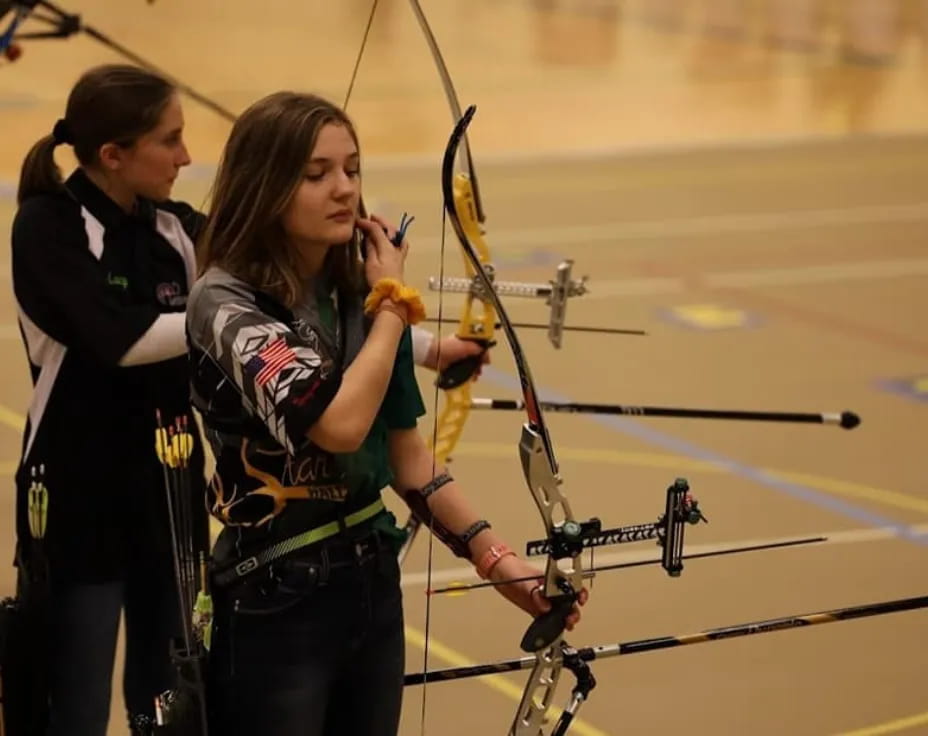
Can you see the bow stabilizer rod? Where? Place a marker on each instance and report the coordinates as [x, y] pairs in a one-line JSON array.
[[592, 572], [844, 419], [63, 25], [555, 292], [565, 328]]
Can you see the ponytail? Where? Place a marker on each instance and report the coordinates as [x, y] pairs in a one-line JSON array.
[[40, 174], [111, 103]]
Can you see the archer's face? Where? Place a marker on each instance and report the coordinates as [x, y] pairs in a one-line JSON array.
[[323, 210], [149, 166]]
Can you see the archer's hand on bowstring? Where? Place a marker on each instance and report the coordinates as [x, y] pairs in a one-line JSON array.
[[382, 259], [528, 594]]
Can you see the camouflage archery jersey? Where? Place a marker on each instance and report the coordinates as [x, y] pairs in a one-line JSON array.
[[262, 375]]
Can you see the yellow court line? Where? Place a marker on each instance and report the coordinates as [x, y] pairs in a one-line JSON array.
[[855, 490], [900, 724], [12, 419], [616, 457], [834, 486], [453, 658]]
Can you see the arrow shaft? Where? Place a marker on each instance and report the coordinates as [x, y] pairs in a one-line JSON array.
[[839, 418], [539, 326], [640, 563]]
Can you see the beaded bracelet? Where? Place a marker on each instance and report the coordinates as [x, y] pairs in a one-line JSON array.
[[491, 557]]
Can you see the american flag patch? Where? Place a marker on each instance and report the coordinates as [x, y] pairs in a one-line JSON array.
[[270, 361]]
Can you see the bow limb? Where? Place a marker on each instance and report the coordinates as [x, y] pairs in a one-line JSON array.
[[482, 308], [477, 323], [466, 162], [545, 636], [478, 318]]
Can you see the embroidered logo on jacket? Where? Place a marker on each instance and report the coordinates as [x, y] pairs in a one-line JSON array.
[[121, 281], [170, 294]]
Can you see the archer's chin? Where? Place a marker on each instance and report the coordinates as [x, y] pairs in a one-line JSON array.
[[340, 233]]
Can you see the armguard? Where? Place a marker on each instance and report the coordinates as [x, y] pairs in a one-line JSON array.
[[417, 500]]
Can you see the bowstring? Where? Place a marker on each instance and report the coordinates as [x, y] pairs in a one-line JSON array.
[[435, 413], [357, 61]]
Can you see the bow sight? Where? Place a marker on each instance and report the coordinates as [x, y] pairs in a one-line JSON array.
[[570, 538]]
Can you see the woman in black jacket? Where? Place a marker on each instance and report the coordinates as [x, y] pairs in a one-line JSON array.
[[102, 265]]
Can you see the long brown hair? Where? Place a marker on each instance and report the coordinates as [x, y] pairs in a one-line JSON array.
[[114, 103], [261, 167]]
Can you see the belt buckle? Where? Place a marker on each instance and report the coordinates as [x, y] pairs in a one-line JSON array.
[[246, 566]]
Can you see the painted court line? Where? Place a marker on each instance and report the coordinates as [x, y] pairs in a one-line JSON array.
[[764, 478], [677, 463], [681, 464], [12, 419], [895, 726], [661, 229], [452, 658]]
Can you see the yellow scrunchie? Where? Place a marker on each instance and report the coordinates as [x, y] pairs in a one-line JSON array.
[[399, 294]]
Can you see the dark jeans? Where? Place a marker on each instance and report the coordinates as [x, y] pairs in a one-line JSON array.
[[314, 647], [85, 623]]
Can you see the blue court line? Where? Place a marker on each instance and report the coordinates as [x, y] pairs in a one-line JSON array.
[[682, 447]]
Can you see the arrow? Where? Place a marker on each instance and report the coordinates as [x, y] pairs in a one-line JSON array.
[[602, 651], [844, 419], [639, 563], [538, 326]]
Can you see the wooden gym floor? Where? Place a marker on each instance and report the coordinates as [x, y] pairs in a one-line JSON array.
[[746, 181]]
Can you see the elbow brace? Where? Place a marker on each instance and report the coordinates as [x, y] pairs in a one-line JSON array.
[[417, 500]]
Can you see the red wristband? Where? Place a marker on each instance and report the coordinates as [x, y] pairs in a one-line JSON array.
[[492, 556]]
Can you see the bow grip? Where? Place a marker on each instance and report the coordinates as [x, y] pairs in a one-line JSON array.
[[542, 632], [463, 370]]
